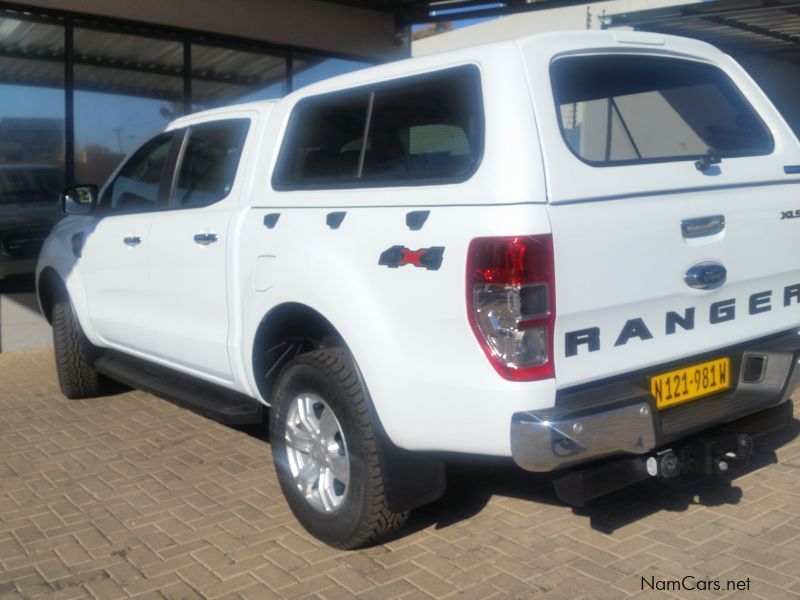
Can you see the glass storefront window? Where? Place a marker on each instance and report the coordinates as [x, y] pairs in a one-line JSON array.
[[31, 139], [126, 89], [128, 83], [309, 68], [225, 76]]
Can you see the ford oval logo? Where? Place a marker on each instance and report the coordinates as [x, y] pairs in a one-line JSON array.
[[706, 276]]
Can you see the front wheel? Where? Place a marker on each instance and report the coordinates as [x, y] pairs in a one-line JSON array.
[[77, 376], [325, 451]]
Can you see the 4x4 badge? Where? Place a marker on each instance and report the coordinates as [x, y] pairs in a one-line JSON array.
[[398, 256]]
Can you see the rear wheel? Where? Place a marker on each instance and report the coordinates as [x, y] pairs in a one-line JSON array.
[[325, 451], [77, 376]]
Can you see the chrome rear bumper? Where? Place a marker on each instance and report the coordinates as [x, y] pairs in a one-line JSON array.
[[621, 418], [545, 444]]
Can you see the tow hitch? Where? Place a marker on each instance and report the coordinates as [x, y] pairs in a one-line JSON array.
[[717, 455], [723, 450], [705, 456]]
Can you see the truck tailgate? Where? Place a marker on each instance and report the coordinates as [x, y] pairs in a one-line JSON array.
[[621, 295], [673, 184]]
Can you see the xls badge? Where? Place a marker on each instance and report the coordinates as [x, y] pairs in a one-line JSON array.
[[790, 214]]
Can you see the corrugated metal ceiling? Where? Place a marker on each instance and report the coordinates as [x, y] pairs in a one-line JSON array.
[[736, 26], [32, 53]]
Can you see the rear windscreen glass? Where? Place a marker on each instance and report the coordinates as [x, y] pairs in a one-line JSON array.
[[616, 109]]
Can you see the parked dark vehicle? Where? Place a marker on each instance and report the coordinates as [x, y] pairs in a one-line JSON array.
[[28, 210]]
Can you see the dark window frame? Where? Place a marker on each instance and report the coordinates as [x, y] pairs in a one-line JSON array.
[[279, 183], [666, 159], [172, 183]]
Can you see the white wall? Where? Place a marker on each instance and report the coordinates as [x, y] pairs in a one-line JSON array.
[[504, 28], [22, 326]]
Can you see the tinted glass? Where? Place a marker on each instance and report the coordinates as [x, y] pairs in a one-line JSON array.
[[426, 129], [136, 187], [117, 109], [309, 68], [636, 109], [209, 163], [29, 184], [223, 76], [325, 140], [31, 141]]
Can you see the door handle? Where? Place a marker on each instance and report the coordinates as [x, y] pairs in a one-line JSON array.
[[132, 240], [702, 226], [205, 239]]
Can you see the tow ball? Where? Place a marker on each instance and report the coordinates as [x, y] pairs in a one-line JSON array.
[[705, 456]]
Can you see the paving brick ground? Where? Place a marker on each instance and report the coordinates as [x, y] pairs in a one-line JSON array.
[[132, 496]]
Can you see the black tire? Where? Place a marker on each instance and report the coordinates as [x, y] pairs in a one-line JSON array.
[[363, 517], [77, 376]]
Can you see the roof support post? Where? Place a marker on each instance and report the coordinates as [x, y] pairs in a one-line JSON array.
[[69, 104], [187, 75]]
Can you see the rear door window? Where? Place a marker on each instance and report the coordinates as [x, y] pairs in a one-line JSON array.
[[210, 159], [629, 109], [418, 130]]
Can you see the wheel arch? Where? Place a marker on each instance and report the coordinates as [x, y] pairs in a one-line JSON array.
[[287, 330], [49, 287], [291, 328]]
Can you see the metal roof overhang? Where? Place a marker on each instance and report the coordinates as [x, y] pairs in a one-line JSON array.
[[137, 61], [738, 27], [411, 12], [32, 53]]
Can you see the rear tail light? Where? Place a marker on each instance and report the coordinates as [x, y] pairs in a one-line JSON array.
[[511, 303]]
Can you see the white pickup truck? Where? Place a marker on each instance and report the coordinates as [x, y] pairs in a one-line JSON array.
[[578, 250]]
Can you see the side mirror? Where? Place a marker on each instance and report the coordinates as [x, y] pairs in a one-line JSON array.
[[79, 199]]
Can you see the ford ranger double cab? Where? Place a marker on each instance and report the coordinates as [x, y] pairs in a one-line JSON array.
[[577, 250]]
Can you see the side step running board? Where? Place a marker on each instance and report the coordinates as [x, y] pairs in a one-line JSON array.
[[207, 399]]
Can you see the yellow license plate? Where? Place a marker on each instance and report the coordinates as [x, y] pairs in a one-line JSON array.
[[691, 383]]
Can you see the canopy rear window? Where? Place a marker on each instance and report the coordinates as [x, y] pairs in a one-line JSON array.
[[629, 109], [419, 130]]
